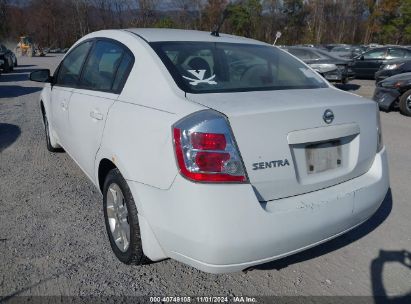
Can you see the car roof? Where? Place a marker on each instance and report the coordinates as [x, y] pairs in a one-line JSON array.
[[157, 35], [388, 47]]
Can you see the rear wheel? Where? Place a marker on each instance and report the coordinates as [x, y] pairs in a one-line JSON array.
[[405, 103], [120, 214], [6, 66]]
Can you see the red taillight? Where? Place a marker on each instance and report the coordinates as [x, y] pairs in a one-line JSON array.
[[199, 159], [211, 161], [208, 141]]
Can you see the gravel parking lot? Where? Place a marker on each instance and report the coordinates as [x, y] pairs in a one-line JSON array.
[[53, 239]]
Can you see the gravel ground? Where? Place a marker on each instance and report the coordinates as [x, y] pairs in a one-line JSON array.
[[53, 240]]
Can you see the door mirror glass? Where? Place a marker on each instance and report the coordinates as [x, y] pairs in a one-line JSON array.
[[41, 75]]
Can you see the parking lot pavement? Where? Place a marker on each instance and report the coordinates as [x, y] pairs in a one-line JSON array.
[[360, 87], [53, 240]]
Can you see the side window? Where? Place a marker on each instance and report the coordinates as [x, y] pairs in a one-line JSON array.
[[314, 55], [301, 54], [101, 67], [378, 54], [122, 72], [396, 53], [70, 68]]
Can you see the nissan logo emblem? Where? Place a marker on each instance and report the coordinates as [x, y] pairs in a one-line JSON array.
[[328, 116]]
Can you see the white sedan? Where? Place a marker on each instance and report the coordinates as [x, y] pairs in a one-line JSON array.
[[219, 152]]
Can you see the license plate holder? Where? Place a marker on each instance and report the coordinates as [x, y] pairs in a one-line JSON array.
[[324, 156]]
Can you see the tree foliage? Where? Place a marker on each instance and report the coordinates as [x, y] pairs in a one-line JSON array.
[[60, 23]]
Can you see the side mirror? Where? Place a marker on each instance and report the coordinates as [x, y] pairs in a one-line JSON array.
[[362, 57], [41, 75]]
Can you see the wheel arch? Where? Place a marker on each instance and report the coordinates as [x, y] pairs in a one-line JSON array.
[[104, 167]]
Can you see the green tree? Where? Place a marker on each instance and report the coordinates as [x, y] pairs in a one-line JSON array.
[[245, 18], [165, 23], [296, 25], [402, 23]]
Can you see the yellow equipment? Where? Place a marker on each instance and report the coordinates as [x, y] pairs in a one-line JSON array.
[[25, 47]]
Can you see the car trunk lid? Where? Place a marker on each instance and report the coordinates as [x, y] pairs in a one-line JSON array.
[[286, 145]]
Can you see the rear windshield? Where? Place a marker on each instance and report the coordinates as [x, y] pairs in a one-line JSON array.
[[207, 67]]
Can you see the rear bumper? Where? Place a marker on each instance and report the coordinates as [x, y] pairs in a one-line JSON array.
[[223, 228]]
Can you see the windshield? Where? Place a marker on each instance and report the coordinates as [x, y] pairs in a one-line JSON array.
[[206, 67]]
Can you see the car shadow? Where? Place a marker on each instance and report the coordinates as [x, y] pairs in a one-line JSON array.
[[348, 86], [24, 66], [402, 257], [16, 91], [8, 135], [18, 74], [357, 233], [12, 297]]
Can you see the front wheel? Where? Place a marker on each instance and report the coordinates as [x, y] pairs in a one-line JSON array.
[[6, 66], [405, 103], [120, 214]]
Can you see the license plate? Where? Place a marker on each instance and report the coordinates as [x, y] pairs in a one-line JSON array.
[[323, 156]]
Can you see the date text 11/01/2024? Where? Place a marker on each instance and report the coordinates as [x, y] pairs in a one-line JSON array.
[[205, 299]]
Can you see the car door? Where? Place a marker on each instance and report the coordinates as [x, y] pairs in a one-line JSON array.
[[101, 82], [368, 63], [66, 78]]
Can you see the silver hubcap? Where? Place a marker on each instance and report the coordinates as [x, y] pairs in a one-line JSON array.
[[408, 102], [117, 214]]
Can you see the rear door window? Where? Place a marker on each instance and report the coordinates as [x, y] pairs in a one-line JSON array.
[[396, 53], [123, 71], [101, 67]]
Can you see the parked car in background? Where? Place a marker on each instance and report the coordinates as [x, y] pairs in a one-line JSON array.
[[332, 68], [9, 59], [239, 155], [55, 51], [368, 63], [393, 67], [394, 93], [348, 51]]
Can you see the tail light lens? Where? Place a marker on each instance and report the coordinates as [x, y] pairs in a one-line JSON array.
[[205, 149]]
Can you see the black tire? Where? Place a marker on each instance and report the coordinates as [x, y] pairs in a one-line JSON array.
[[405, 103], [134, 254], [47, 132], [6, 66]]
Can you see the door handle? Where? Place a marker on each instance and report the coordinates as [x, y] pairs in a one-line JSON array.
[[96, 115]]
